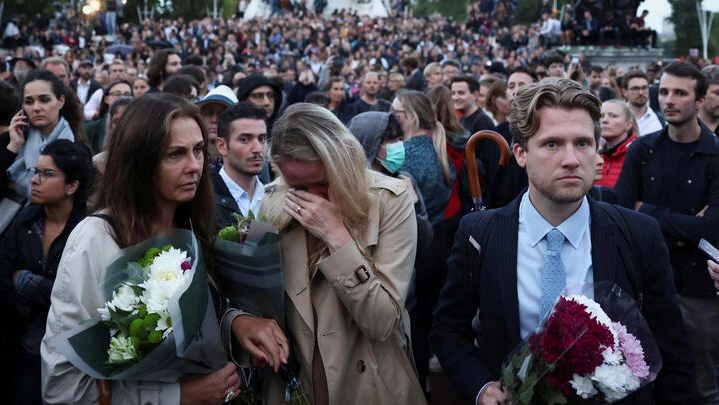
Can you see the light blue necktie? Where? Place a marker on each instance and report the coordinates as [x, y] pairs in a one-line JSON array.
[[554, 278]]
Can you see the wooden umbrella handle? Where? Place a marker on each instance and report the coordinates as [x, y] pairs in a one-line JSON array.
[[469, 152]]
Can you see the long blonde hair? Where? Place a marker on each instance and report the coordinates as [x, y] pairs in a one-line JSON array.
[[417, 104], [311, 133]]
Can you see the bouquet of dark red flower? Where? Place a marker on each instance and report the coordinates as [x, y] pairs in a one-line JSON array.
[[584, 353]]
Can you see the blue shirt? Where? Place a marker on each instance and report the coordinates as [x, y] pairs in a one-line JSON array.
[[241, 197], [531, 247]]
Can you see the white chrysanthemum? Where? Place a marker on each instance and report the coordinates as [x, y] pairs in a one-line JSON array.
[[121, 350], [156, 295], [615, 382], [612, 356], [104, 313], [164, 322], [168, 264], [583, 386], [165, 278], [124, 299]]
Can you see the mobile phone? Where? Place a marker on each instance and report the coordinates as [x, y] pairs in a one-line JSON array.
[[24, 128], [709, 250], [575, 60]]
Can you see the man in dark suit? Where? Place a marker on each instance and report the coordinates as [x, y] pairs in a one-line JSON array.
[[500, 278]]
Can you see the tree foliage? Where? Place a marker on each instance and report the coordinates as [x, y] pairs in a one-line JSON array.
[[456, 9], [684, 15]]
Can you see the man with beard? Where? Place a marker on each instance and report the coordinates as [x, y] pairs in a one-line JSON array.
[[263, 92], [242, 143], [673, 176], [504, 281], [635, 87], [709, 113], [85, 85]]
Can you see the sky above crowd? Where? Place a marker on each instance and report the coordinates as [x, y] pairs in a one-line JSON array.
[[658, 11]]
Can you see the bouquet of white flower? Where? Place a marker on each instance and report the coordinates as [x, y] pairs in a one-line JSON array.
[[158, 322]]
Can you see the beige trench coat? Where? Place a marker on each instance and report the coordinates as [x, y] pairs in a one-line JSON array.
[[362, 327]]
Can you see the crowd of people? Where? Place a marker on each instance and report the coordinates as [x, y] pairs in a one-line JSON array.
[[349, 135]]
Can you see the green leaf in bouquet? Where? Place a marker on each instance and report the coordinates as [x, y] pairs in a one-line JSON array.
[[136, 274], [552, 396], [229, 233], [122, 320]]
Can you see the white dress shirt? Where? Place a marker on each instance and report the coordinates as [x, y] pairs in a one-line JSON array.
[[649, 122], [242, 198]]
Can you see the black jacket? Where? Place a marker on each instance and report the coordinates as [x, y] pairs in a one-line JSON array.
[[641, 180], [225, 204]]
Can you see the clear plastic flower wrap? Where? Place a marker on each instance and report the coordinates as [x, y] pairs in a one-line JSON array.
[[247, 258], [171, 308], [593, 347]]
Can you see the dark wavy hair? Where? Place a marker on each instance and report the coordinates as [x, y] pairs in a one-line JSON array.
[[130, 185], [74, 159], [71, 110], [104, 107]]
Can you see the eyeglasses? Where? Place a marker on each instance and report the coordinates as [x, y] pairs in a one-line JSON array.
[[43, 174], [395, 112], [638, 89], [119, 94], [261, 96]]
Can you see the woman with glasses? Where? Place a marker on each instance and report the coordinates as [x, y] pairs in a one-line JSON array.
[[31, 252], [96, 129], [49, 111]]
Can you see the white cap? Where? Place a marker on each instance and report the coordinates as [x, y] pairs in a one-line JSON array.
[[220, 94]]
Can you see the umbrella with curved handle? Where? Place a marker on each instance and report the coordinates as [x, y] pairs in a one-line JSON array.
[[472, 163]]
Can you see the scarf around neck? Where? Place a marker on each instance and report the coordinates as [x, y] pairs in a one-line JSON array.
[[28, 154]]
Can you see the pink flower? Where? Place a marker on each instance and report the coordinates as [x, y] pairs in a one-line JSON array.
[[633, 351]]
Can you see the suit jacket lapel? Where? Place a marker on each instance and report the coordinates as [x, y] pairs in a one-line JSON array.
[[294, 271], [504, 246]]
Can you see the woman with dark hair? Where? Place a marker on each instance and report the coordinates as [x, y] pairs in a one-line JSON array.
[[96, 129], [31, 252], [49, 111], [156, 180], [497, 104], [340, 107], [113, 118]]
